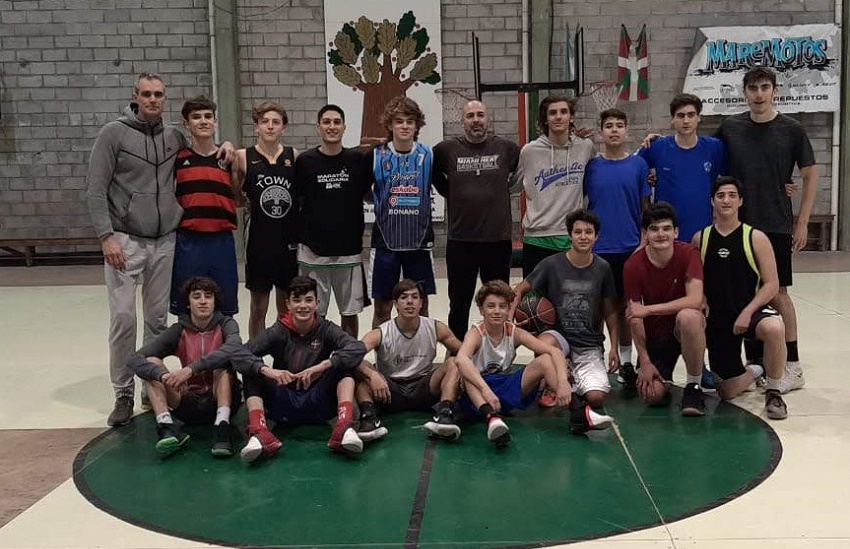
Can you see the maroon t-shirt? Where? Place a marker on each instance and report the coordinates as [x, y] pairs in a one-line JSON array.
[[644, 282]]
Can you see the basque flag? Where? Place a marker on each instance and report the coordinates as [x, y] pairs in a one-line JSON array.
[[633, 63]]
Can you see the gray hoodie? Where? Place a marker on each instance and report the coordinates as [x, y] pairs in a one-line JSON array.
[[552, 177], [130, 181]]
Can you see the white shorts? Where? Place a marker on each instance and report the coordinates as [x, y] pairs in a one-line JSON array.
[[589, 370], [347, 284]]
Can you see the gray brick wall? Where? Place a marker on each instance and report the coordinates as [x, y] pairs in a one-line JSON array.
[[66, 68]]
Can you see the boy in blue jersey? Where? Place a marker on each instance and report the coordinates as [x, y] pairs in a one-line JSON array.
[[617, 189], [686, 165], [402, 235]]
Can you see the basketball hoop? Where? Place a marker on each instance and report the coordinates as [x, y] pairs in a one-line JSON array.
[[605, 94], [453, 100]]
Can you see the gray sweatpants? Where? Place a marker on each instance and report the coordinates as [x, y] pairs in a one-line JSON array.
[[149, 262]]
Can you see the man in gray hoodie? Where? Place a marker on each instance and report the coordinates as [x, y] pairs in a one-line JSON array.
[[131, 200]]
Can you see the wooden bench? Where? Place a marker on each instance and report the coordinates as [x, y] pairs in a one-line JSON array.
[[26, 247], [820, 232]]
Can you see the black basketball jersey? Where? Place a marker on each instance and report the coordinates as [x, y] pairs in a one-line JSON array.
[[274, 214], [731, 275]]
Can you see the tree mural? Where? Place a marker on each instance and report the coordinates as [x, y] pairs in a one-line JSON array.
[[374, 58]]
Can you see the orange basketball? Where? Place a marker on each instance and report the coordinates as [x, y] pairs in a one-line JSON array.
[[535, 313]]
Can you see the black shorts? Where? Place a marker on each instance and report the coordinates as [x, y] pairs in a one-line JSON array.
[[664, 353], [617, 263], [782, 247], [200, 408], [264, 269], [410, 395], [724, 346]]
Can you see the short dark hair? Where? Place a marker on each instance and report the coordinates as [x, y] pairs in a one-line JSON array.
[[657, 212], [405, 285], [402, 106], [147, 76], [543, 110], [759, 73], [265, 106], [200, 103], [330, 107], [204, 284], [614, 113], [302, 285], [582, 215], [725, 180], [683, 100], [494, 287]]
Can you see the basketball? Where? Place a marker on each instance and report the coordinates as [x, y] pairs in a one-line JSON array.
[[535, 313]]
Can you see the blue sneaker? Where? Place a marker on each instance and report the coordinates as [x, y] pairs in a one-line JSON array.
[[707, 380]]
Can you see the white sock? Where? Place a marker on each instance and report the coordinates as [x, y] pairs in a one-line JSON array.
[[625, 353], [694, 379], [164, 417], [756, 369], [772, 384], [222, 414]]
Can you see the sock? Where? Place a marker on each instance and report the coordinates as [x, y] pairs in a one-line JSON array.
[[693, 379], [367, 410], [222, 415], [485, 410], [793, 356], [754, 350], [625, 354], [345, 412], [772, 384], [757, 370], [257, 418], [164, 417]]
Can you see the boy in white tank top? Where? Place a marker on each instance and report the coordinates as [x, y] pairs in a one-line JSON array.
[[487, 354], [405, 377]]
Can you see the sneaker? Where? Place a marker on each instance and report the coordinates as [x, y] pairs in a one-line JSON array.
[[586, 419], [497, 431], [774, 406], [707, 380], [261, 443], [371, 428], [547, 398], [122, 412], [791, 381], [345, 441], [693, 401], [146, 402], [627, 376], [222, 445], [171, 439], [443, 426]]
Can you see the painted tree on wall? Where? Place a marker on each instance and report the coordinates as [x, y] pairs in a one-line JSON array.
[[375, 58]]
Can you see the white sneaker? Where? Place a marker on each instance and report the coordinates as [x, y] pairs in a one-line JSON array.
[[497, 431], [252, 450], [597, 421], [791, 381], [351, 442]]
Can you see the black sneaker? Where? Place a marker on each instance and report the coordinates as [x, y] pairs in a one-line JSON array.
[[122, 412], [774, 406], [371, 428], [222, 446], [627, 376], [171, 439], [443, 425], [693, 401]]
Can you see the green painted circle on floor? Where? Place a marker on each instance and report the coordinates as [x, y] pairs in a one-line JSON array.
[[548, 487]]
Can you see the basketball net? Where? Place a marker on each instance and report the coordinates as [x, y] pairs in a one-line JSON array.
[[453, 100], [604, 94]]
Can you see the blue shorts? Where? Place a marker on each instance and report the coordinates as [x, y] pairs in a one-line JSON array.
[[205, 254], [314, 406], [508, 387], [387, 267]]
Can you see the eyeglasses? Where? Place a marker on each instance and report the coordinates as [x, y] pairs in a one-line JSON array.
[[149, 94]]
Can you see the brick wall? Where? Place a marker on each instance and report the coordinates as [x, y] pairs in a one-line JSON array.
[[66, 68]]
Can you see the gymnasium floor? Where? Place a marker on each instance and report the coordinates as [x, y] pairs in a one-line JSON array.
[[658, 481]]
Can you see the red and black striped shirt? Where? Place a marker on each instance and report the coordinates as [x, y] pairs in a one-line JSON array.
[[205, 193]]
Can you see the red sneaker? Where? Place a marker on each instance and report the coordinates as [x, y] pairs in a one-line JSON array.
[[547, 398], [261, 442], [344, 439]]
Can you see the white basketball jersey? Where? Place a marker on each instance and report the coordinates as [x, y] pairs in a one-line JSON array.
[[495, 359], [402, 357]]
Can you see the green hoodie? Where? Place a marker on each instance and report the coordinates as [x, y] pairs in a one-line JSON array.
[[130, 181]]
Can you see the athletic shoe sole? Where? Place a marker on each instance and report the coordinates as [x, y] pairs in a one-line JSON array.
[[375, 434], [222, 452], [167, 446], [252, 451], [692, 412], [443, 431]]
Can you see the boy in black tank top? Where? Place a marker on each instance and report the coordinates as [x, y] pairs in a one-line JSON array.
[[266, 173], [740, 280]]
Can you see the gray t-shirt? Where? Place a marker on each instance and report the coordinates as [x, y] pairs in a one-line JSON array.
[[762, 155], [578, 295]]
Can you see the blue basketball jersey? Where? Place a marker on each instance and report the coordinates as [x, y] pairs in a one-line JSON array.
[[402, 196]]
